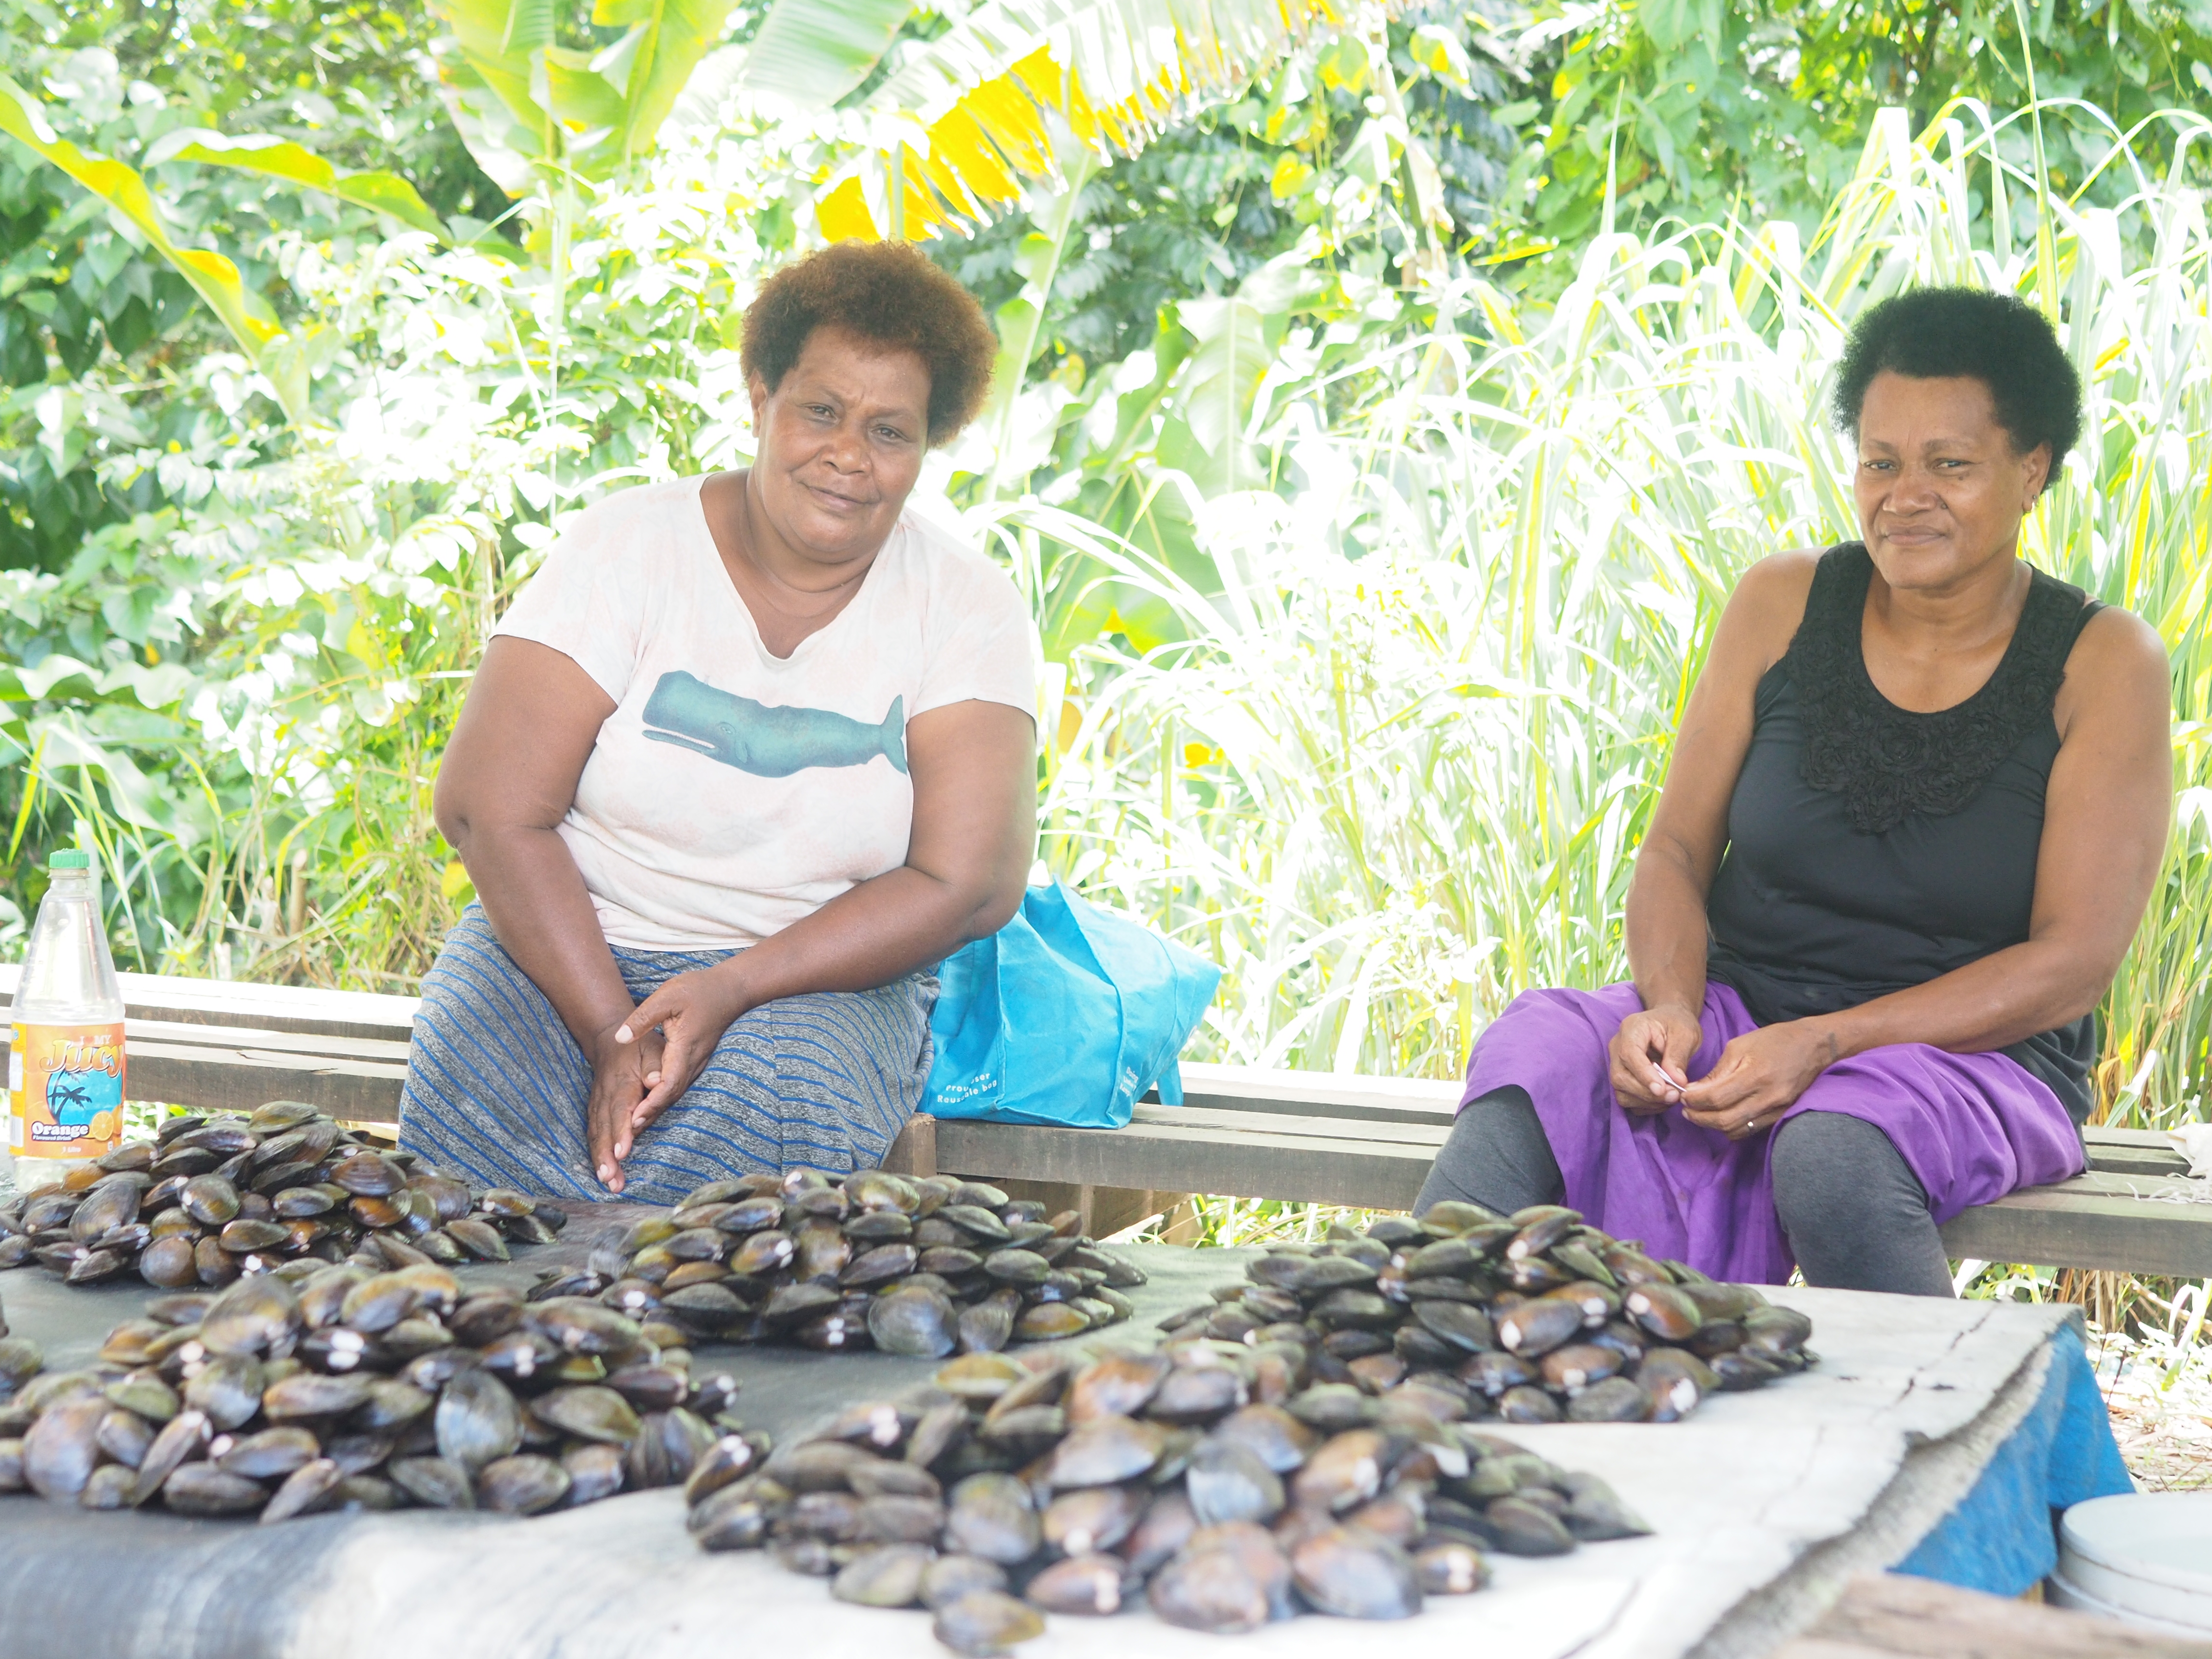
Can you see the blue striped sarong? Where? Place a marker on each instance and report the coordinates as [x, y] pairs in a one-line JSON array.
[[496, 1087]]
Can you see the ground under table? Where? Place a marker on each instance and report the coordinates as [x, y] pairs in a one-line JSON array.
[[1765, 1505]]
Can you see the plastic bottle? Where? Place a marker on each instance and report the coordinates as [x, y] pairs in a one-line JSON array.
[[66, 1062]]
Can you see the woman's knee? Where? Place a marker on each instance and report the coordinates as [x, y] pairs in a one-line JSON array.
[[1497, 1156], [1855, 1215], [1828, 1162]]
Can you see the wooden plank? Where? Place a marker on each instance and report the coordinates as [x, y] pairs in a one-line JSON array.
[[2074, 1225], [209, 1079], [1317, 1094], [1252, 1164], [1895, 1613], [2133, 1152], [1428, 1137], [301, 1008], [220, 1038]]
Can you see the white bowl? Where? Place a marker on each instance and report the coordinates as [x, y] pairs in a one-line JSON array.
[[2145, 1557]]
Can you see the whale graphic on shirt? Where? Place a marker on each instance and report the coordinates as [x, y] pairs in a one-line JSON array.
[[768, 741]]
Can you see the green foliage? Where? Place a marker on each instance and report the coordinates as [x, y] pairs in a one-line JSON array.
[[239, 692], [1702, 110]]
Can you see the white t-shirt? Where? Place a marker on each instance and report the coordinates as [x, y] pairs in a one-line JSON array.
[[733, 792]]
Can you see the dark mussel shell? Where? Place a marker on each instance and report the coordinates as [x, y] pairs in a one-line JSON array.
[[887, 1576], [270, 1455], [305, 1491], [1227, 1481], [982, 1623], [1356, 1574], [1225, 1580], [985, 1327], [62, 1448], [478, 1421], [1091, 1585], [525, 1483], [991, 1515], [1450, 1567], [209, 1199], [1664, 1311], [434, 1482], [594, 1472], [1536, 1326], [366, 1174], [1613, 1399], [1520, 1526], [914, 1319], [201, 1489], [949, 1577], [1527, 1405]]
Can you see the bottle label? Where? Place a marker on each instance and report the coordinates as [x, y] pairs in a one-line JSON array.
[[65, 1091]]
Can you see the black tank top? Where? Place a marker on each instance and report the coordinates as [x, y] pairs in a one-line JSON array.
[[1871, 848]]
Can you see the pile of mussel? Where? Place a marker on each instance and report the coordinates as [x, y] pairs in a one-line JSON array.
[[1205, 1479], [918, 1267], [1538, 1316], [20, 1359], [317, 1387], [212, 1198]]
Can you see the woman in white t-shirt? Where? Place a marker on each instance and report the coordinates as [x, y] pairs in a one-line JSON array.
[[749, 755]]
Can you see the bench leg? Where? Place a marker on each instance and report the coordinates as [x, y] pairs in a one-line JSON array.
[[914, 1153]]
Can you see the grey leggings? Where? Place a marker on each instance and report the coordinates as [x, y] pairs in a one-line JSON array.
[[1855, 1215]]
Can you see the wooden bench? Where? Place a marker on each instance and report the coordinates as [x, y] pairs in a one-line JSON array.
[[1241, 1132]]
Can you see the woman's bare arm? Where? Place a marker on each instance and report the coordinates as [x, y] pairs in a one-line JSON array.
[[2106, 814], [1665, 926], [509, 778]]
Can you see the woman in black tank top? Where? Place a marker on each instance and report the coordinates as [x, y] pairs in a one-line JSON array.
[[1916, 807]]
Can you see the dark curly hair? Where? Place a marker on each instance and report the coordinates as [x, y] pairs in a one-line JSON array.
[[2004, 341], [891, 294]]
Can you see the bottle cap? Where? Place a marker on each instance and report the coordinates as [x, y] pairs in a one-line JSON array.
[[69, 861]]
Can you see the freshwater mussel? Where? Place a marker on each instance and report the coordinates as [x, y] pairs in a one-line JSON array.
[[1536, 1316], [319, 1386], [210, 1200], [1014, 1486], [926, 1266]]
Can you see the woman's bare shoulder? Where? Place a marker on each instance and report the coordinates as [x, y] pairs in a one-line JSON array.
[[1766, 606], [2118, 663]]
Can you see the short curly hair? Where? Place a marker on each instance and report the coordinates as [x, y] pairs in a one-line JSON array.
[[2004, 341], [887, 294]]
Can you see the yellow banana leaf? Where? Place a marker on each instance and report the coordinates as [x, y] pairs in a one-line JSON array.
[[212, 276], [1117, 71], [385, 192]]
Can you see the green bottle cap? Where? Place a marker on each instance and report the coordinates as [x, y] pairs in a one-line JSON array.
[[69, 861]]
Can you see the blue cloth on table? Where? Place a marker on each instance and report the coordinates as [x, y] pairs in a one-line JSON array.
[[2002, 1537]]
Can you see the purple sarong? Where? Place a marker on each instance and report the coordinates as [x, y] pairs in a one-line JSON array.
[[1973, 1128]]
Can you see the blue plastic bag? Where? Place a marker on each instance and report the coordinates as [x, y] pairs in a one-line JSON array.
[[1066, 1015]]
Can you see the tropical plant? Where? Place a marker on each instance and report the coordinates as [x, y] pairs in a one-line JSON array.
[[1702, 110]]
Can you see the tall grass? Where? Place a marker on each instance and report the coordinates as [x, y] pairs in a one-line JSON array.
[[1397, 770]]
